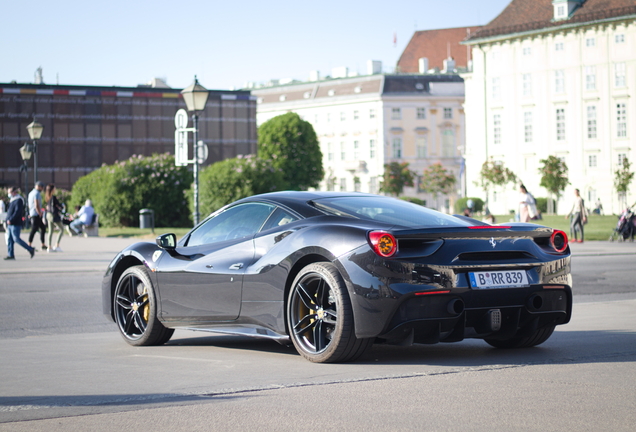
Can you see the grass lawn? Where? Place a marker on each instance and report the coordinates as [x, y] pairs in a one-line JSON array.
[[146, 233], [597, 228]]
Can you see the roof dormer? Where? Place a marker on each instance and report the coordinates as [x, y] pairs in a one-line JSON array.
[[563, 9]]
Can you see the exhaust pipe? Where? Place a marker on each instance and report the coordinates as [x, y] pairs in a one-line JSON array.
[[535, 302], [455, 306]]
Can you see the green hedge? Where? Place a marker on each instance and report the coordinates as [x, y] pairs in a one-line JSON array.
[[461, 204], [119, 191]]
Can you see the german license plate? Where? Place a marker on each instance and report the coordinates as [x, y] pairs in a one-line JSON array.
[[498, 279]]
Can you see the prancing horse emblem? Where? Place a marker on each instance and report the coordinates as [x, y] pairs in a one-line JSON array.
[[493, 242]]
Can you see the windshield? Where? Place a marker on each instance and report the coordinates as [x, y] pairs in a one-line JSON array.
[[387, 210]]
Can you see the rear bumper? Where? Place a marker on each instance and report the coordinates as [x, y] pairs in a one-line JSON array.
[[452, 318]]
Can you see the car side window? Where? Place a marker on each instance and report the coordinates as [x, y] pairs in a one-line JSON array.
[[280, 217], [236, 222]]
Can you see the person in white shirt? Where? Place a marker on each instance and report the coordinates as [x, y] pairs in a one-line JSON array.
[[83, 217]]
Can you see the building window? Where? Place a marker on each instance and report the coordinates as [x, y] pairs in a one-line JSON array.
[[343, 116], [496, 128], [448, 142], [591, 161], [496, 88], [343, 151], [356, 115], [373, 184], [356, 150], [396, 113], [527, 85], [619, 74], [357, 186], [590, 42], [372, 149], [372, 113], [397, 148], [619, 38], [560, 124], [448, 113], [328, 117], [621, 158], [421, 147], [621, 120], [527, 51], [527, 126], [559, 46], [590, 77], [421, 113], [343, 184], [330, 151], [559, 81], [591, 122], [560, 11]]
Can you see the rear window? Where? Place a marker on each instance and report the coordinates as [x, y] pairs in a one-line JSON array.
[[386, 210]]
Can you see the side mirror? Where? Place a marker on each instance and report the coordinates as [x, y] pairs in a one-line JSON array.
[[167, 241]]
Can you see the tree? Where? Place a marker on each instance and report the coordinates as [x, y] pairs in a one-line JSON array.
[[396, 176], [291, 144], [232, 179], [494, 173], [622, 179], [437, 180], [554, 178]]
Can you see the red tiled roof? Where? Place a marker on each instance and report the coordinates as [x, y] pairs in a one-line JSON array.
[[434, 44], [528, 15]]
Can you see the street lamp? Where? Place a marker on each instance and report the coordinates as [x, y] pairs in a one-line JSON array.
[[35, 132], [26, 151], [195, 98]]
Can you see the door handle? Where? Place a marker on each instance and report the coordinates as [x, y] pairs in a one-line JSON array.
[[236, 266]]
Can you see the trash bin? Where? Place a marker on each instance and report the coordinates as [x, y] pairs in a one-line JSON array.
[[147, 219]]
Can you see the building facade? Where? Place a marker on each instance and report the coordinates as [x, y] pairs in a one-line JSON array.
[[554, 77], [365, 122], [85, 127]]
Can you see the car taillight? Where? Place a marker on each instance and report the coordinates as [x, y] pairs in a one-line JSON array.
[[383, 243], [559, 240]]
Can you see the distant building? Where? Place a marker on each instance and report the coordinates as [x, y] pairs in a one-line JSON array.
[[554, 77], [432, 49], [86, 126], [365, 122]]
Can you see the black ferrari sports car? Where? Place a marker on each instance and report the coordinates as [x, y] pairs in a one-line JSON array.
[[336, 272]]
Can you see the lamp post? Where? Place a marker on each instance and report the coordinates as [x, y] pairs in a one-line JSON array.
[[35, 132], [26, 151], [195, 98]]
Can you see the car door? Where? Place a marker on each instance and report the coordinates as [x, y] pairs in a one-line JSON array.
[[203, 280]]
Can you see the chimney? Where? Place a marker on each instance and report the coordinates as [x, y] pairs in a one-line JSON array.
[[449, 65], [423, 65], [374, 67], [314, 75], [340, 72]]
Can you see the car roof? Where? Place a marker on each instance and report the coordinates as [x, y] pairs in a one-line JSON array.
[[298, 200]]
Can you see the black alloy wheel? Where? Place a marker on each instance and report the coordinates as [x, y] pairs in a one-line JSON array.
[[136, 309], [320, 316]]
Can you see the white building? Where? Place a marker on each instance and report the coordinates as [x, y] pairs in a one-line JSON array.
[[365, 122], [554, 77]]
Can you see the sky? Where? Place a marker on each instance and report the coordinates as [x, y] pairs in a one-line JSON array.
[[226, 44]]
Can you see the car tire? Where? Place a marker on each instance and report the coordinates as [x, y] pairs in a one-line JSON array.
[[535, 338], [320, 316], [135, 308]]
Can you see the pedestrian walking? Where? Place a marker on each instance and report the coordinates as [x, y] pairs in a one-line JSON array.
[[14, 224], [527, 206], [53, 218], [578, 215], [36, 213]]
